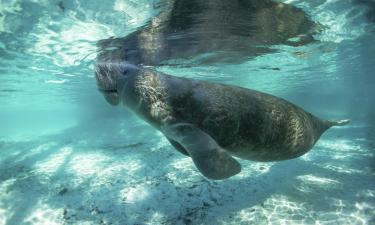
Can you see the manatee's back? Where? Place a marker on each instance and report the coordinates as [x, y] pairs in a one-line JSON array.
[[239, 118]]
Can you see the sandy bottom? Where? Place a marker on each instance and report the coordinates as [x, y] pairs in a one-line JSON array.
[[135, 177]]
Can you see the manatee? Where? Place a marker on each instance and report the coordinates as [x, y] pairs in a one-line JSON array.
[[211, 31], [211, 122]]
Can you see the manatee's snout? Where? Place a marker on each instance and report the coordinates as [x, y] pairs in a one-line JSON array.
[[106, 79], [110, 77]]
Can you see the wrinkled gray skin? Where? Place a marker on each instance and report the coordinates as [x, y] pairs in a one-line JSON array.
[[212, 122]]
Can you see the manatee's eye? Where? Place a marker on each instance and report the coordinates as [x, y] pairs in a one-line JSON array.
[[128, 69]]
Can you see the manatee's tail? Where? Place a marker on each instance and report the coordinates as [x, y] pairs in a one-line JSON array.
[[332, 123]]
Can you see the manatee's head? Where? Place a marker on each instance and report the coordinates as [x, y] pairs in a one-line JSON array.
[[110, 78]]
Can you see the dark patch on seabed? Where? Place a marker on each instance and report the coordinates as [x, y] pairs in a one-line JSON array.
[[8, 90], [370, 7], [121, 147], [371, 145]]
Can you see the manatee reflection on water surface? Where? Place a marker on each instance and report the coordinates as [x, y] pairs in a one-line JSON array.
[[215, 31]]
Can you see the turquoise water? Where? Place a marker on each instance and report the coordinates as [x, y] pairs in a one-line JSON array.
[[67, 157]]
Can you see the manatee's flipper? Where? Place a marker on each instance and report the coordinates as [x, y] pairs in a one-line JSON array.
[[338, 122], [177, 146], [210, 159]]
